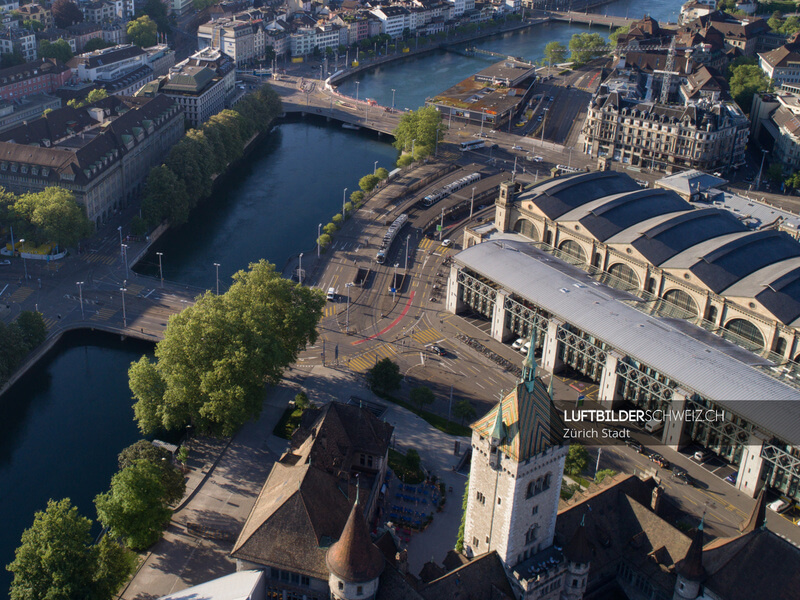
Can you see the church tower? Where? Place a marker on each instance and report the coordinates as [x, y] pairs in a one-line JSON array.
[[515, 475], [691, 572], [355, 563], [578, 553]]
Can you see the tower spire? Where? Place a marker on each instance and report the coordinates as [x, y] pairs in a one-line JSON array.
[[499, 429], [758, 516], [529, 364]]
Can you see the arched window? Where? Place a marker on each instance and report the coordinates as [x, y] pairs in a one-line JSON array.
[[744, 328], [624, 273], [531, 534], [597, 260], [546, 482], [651, 285], [682, 300], [780, 346], [573, 249], [526, 228], [711, 314], [548, 237]]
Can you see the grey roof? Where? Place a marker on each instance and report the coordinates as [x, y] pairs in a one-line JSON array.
[[236, 586], [703, 364], [563, 194], [687, 182], [776, 287]]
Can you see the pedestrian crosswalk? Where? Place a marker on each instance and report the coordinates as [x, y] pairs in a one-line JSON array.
[[366, 361], [105, 259], [104, 314], [49, 322], [429, 244], [21, 294], [329, 311], [134, 288], [427, 336]]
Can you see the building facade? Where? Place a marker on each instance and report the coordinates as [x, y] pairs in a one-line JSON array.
[[41, 76]]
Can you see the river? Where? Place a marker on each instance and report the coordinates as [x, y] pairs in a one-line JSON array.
[[65, 422]]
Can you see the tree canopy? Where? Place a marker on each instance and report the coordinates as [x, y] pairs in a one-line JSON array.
[[97, 44], [577, 460], [554, 53], [745, 81], [384, 376], [171, 476], [216, 356], [584, 47], [463, 409], [142, 32], [59, 50], [57, 561], [421, 396], [614, 37], [135, 508], [157, 11], [66, 13], [51, 215], [17, 339], [418, 129], [785, 27]]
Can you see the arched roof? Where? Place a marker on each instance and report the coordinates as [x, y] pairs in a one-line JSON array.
[[683, 231], [558, 196], [741, 257], [776, 287], [609, 215]]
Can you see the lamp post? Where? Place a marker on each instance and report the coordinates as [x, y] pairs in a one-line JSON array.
[[300, 270], [472, 202], [375, 167], [394, 281], [393, 100], [441, 225], [357, 84], [160, 270], [408, 238], [414, 141], [319, 229], [80, 293], [125, 258], [124, 315], [347, 313], [760, 169], [543, 124], [344, 195], [216, 266], [22, 253], [120, 241]]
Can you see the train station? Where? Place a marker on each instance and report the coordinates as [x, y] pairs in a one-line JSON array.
[[643, 350]]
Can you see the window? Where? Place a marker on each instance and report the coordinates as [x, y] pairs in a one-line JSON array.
[[475, 542], [341, 585], [535, 510], [359, 590]]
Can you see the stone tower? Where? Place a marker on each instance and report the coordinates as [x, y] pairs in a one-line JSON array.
[[578, 553], [502, 211], [516, 470], [691, 572], [354, 561]]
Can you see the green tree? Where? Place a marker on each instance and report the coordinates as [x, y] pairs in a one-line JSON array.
[[614, 37], [32, 329], [419, 129], [171, 476], [793, 181], [157, 11], [164, 197], [368, 182], [412, 460], [585, 47], [97, 43], [554, 53], [775, 172], [66, 13], [301, 401], [785, 27], [59, 50], [56, 560], [357, 198], [32, 25], [216, 356], [739, 60], [142, 32], [135, 508], [55, 216], [191, 160], [602, 474], [464, 410], [330, 228], [385, 376], [460, 537], [745, 82], [382, 173], [577, 460], [405, 160], [421, 396], [11, 59]]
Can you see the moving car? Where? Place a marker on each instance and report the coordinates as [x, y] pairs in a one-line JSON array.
[[634, 444], [538, 159], [438, 350], [659, 460], [446, 243], [331, 295], [732, 477]]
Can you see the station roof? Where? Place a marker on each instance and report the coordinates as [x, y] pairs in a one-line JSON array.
[[697, 360]]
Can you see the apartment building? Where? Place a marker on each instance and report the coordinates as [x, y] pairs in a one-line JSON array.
[[242, 40], [37, 12], [120, 70], [42, 76], [17, 39]]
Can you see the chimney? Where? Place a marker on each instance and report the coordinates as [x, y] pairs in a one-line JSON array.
[[402, 561]]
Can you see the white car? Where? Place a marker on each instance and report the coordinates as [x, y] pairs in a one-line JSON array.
[[525, 347], [778, 505], [446, 243], [518, 344], [331, 295], [538, 159]]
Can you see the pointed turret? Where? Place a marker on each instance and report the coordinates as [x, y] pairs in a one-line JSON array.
[[578, 553], [690, 570], [354, 561], [529, 364], [758, 516], [578, 550], [499, 429]]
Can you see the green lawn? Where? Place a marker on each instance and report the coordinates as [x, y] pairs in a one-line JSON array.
[[397, 463]]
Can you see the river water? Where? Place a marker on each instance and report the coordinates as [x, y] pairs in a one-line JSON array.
[[65, 422]]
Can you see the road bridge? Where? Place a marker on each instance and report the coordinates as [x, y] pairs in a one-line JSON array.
[[591, 19]]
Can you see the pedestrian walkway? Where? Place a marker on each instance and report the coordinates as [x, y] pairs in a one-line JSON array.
[[95, 257], [104, 314], [21, 294], [366, 361], [329, 311], [427, 336]]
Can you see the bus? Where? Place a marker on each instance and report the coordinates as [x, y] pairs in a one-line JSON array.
[[472, 145]]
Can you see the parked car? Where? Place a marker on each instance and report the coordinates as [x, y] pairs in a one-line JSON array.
[[438, 350], [5, 262], [538, 159], [732, 477], [780, 505], [331, 295], [518, 343], [679, 471], [525, 347], [701, 456]]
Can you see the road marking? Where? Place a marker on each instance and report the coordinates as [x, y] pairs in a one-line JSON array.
[[329, 311], [21, 294], [49, 322], [392, 324], [364, 362], [104, 314], [134, 288], [427, 336]]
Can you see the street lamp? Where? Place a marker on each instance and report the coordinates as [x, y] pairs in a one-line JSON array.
[[472, 203], [216, 265], [414, 141], [347, 317], [80, 292], [124, 315], [344, 195], [125, 258], [393, 100], [394, 281], [300, 270], [319, 234], [408, 238], [160, 270], [22, 254], [544, 122], [120, 241], [375, 167], [357, 84]]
